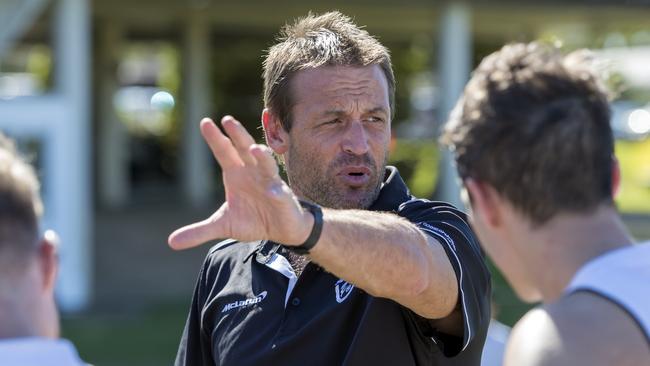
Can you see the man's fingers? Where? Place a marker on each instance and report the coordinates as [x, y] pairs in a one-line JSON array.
[[195, 234], [241, 139], [275, 187], [265, 160], [221, 146]]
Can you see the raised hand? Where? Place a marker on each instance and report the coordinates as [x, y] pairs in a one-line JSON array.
[[259, 204]]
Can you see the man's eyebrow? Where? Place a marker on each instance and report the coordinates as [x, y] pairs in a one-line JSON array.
[[377, 110], [333, 112], [340, 112]]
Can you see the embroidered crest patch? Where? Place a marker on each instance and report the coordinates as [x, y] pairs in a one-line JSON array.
[[343, 289]]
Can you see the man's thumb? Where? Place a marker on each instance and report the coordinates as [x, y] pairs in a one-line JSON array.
[[195, 234]]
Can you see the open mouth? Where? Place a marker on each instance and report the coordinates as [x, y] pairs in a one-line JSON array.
[[356, 176]]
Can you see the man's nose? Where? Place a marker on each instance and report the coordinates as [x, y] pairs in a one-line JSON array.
[[356, 139]]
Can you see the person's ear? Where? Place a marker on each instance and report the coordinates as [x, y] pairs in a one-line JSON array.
[[616, 177], [49, 260], [277, 138], [484, 201]]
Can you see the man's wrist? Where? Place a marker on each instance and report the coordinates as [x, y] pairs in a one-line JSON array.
[[314, 216]]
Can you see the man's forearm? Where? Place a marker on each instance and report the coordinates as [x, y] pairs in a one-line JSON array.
[[388, 256]]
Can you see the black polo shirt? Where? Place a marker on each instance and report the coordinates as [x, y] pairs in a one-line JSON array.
[[249, 308]]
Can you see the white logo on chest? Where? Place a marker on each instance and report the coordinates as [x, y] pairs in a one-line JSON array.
[[237, 304], [343, 289]]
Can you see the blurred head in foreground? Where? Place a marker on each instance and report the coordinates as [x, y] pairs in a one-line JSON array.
[[533, 144], [28, 263]]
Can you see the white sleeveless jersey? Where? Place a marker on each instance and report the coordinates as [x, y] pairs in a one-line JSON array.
[[622, 276]]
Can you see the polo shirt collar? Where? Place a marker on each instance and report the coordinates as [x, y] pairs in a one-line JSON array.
[[393, 192]]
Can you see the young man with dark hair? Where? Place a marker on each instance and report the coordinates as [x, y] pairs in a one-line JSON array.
[[341, 266], [29, 322], [535, 151]]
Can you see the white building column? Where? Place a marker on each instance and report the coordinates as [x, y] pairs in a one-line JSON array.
[[455, 57], [113, 152], [197, 165], [70, 173]]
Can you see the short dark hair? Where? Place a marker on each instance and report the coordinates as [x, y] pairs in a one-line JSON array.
[[535, 124], [20, 205], [330, 39]]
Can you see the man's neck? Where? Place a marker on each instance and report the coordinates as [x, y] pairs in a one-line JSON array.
[[567, 242], [14, 323], [298, 262]]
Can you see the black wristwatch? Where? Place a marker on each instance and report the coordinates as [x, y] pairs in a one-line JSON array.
[[314, 235]]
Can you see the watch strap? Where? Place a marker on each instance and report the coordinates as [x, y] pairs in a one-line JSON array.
[[316, 230]]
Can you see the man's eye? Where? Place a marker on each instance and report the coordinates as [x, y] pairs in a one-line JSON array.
[[374, 119], [333, 122]]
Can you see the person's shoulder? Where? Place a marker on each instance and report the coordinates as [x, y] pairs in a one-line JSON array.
[[443, 221], [580, 329], [533, 339], [221, 246], [415, 206], [434, 215], [230, 249], [224, 257]]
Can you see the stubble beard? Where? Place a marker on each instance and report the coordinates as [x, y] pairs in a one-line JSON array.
[[309, 179]]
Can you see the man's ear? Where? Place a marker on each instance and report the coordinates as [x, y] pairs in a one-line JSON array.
[[276, 136], [616, 177], [49, 260], [484, 201]]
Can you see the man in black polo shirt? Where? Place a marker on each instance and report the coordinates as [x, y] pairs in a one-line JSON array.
[[342, 266]]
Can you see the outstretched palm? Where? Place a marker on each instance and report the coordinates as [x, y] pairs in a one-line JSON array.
[[259, 204]]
